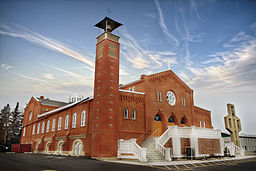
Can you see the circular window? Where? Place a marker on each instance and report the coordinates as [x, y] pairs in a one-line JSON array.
[[171, 99]]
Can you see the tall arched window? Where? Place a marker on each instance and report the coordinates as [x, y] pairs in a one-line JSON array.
[[48, 126], [24, 131], [74, 120], [157, 118], [125, 113], [38, 128], [34, 127], [83, 118], [30, 115], [66, 121], [43, 124], [59, 123], [200, 123], [183, 121], [53, 125], [133, 114]]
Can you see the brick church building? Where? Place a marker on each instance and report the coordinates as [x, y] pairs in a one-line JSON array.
[[122, 120]]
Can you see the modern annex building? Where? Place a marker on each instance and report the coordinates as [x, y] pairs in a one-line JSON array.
[[154, 114]]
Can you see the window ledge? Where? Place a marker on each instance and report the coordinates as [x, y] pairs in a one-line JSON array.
[[130, 119]]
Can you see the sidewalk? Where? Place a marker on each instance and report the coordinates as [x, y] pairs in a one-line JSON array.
[[177, 162]]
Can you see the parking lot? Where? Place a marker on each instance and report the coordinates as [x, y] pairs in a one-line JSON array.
[[36, 162]]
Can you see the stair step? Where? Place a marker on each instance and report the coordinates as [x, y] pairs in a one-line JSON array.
[[152, 154]]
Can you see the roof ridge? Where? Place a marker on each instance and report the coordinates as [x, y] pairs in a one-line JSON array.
[[64, 107]]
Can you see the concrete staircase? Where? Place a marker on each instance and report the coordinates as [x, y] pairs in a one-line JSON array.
[[152, 154]]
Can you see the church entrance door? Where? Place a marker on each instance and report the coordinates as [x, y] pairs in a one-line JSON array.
[[157, 126]]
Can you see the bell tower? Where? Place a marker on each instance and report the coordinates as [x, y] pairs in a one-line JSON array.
[[105, 119]]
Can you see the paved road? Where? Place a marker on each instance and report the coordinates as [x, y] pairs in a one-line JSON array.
[[234, 165], [35, 162]]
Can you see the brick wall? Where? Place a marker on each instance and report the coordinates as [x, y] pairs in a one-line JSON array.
[[208, 146], [184, 142]]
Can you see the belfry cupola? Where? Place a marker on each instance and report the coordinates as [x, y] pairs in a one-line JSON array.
[[108, 24]]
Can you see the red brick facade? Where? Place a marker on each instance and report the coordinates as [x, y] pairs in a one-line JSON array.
[[105, 119]]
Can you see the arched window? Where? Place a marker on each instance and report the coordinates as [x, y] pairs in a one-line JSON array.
[[183, 121], [59, 123], [204, 124], [66, 121], [30, 115], [60, 147], [134, 114], [200, 123], [34, 127], [43, 124], [125, 113], [24, 131], [38, 128], [171, 120], [74, 120], [157, 118], [53, 125], [48, 126], [83, 118]]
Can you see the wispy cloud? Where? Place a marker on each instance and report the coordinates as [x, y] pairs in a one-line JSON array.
[[77, 78], [6, 67], [196, 38], [172, 39], [31, 78], [195, 8], [44, 41], [231, 70], [150, 15], [141, 58], [48, 76], [253, 27]]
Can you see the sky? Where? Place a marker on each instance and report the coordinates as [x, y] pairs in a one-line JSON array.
[[48, 48]]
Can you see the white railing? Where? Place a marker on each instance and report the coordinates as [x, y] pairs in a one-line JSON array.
[[233, 149], [130, 149], [165, 137], [239, 150], [166, 152]]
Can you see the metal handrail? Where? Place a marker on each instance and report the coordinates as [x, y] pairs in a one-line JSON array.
[[149, 136]]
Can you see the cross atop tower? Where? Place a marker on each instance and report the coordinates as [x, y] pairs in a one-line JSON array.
[[108, 24]]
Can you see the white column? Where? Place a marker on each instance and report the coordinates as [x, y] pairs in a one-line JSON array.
[[194, 140], [176, 142]]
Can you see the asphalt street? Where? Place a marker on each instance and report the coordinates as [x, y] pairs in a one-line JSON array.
[[35, 162]]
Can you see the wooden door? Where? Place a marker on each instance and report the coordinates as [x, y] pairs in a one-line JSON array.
[[157, 128]]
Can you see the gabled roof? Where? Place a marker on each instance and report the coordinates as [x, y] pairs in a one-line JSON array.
[[50, 102], [157, 75], [172, 74], [65, 107]]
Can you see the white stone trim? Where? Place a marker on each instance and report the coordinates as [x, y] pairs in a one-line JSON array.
[[129, 149], [135, 92], [193, 133], [73, 148]]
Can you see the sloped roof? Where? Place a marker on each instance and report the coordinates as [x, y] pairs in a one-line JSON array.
[[65, 107], [157, 74], [50, 102], [124, 85]]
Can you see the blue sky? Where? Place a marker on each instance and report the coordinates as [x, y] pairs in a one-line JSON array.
[[48, 48]]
